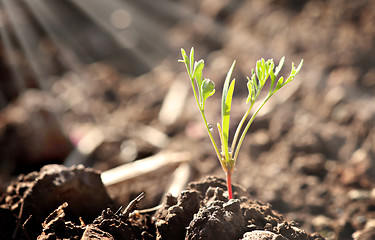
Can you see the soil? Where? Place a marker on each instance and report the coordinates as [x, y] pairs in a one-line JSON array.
[[309, 155], [200, 212]]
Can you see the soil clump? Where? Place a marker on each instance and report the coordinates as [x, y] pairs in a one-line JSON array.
[[62, 203]]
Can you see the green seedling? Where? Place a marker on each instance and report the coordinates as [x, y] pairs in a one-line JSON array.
[[203, 88]]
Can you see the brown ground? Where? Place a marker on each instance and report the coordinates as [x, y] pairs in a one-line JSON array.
[[310, 153], [203, 211]]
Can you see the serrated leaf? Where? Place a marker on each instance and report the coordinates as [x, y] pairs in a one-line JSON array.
[[262, 69], [207, 90], [252, 87], [269, 67], [294, 72]]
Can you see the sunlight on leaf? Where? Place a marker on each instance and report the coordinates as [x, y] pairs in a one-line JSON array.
[[207, 90]]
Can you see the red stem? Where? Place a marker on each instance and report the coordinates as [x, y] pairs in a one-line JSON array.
[[229, 185]]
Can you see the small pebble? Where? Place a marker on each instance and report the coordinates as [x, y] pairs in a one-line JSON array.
[[356, 194], [321, 223], [262, 235]]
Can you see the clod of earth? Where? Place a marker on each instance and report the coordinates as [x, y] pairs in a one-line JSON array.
[[218, 218], [61, 203], [35, 195]]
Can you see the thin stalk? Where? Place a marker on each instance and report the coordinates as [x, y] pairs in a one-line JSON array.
[[210, 134], [205, 120], [248, 126], [239, 127], [238, 130], [201, 105], [223, 161], [229, 184], [195, 93]]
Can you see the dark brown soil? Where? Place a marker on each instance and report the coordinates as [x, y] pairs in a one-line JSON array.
[[34, 196], [204, 212], [200, 212], [309, 154]]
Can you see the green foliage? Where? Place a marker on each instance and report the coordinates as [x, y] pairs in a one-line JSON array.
[[207, 90], [204, 88]]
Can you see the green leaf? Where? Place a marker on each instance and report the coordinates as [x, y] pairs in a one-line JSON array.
[[226, 86], [270, 73], [226, 118], [198, 68], [186, 61], [269, 67], [258, 70], [299, 66], [262, 71], [207, 90], [279, 84], [272, 76], [226, 103], [278, 68], [228, 100], [255, 82], [191, 61], [294, 72], [183, 54], [250, 89], [255, 90]]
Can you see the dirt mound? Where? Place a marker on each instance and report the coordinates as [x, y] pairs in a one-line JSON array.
[[35, 195], [61, 203], [218, 218]]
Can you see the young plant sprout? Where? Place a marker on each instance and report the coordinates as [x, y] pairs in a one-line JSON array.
[[204, 88]]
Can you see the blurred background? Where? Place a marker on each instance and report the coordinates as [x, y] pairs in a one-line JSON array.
[[97, 83]]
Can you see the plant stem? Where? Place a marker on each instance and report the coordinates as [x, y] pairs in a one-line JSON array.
[[248, 126], [223, 163], [195, 94], [210, 134], [204, 117], [229, 184], [239, 127]]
